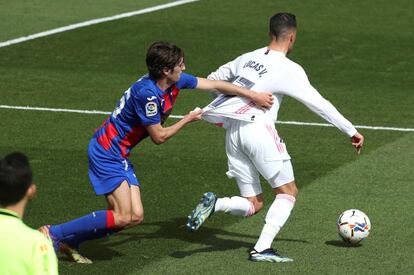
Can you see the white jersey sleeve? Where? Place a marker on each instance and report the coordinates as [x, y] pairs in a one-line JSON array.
[[297, 85]]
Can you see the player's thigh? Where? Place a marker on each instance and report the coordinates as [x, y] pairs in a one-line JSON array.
[[284, 175], [244, 172], [240, 167], [120, 200], [263, 147]]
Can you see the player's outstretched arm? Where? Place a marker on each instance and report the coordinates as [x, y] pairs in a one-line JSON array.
[[264, 100], [160, 134], [357, 141]]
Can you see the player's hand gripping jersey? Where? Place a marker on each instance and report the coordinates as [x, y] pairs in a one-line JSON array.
[[267, 70]]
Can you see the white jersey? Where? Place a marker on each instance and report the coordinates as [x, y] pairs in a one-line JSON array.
[[271, 71]]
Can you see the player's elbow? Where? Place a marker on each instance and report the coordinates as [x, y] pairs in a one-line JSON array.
[[158, 139]]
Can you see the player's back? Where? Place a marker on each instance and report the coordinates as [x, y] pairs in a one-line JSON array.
[[267, 71]]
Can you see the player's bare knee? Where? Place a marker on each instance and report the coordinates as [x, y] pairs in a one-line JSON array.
[[137, 219], [288, 189], [293, 190]]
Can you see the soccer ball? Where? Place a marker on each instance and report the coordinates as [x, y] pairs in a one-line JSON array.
[[353, 226]]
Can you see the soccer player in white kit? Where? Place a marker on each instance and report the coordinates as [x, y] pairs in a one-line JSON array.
[[252, 142]]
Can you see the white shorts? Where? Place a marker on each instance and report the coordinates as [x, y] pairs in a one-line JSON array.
[[254, 149]]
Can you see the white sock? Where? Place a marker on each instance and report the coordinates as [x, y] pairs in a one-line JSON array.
[[276, 217], [235, 205]]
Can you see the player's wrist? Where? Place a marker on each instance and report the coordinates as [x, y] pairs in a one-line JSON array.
[[253, 96]]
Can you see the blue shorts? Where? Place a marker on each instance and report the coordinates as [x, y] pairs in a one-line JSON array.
[[107, 171]]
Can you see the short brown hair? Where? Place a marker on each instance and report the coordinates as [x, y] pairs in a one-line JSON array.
[[280, 23], [161, 55]]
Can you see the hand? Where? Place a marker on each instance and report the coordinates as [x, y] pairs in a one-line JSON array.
[[194, 114], [357, 141], [45, 230], [263, 100]]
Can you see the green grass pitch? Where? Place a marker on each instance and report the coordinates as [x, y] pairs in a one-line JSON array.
[[358, 54]]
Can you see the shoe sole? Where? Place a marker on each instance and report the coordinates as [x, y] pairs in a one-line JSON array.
[[272, 259]]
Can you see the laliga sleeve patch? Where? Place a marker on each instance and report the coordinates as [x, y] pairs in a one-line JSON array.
[[151, 109]]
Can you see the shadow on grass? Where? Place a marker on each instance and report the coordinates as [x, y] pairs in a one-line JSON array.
[[98, 250], [215, 240], [339, 243]]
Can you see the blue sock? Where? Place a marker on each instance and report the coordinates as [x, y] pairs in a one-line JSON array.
[[96, 221], [76, 239]]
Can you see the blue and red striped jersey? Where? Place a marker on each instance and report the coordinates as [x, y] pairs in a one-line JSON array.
[[141, 105]]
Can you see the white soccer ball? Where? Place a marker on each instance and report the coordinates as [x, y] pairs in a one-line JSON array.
[[353, 226]]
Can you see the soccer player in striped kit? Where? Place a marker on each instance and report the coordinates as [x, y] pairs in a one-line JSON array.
[[140, 113], [253, 145]]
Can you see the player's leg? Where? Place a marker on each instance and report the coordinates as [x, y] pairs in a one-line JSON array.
[[120, 203], [236, 205], [266, 151], [137, 210], [247, 177], [247, 204], [286, 191], [126, 202], [243, 170], [99, 223]]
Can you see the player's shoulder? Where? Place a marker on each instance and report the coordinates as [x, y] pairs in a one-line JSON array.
[[28, 237], [293, 67], [187, 81], [185, 77], [34, 235], [41, 244], [144, 87]]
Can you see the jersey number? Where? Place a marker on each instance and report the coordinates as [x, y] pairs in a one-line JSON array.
[[121, 103]]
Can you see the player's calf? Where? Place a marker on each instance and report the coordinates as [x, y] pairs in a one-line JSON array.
[[238, 206], [209, 204], [257, 202]]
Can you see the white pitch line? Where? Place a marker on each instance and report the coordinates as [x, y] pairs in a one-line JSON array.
[[93, 22], [383, 128], [54, 110]]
